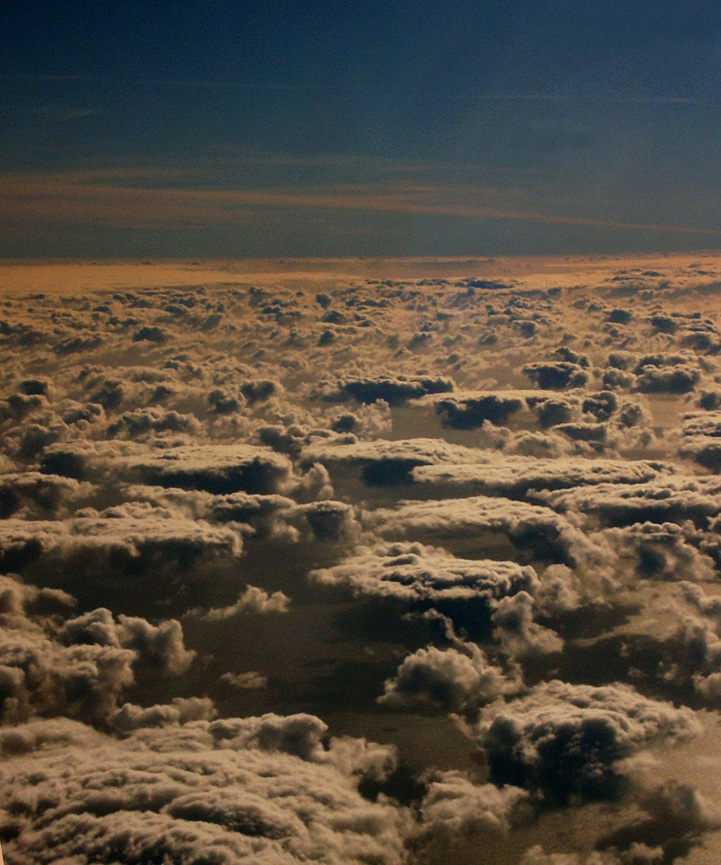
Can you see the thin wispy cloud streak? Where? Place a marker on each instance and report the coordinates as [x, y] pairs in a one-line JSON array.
[[88, 196], [583, 99], [210, 84]]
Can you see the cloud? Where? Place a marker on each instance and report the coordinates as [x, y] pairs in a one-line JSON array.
[[663, 499], [383, 462], [470, 409], [259, 515], [637, 854], [249, 681], [556, 374], [504, 535], [329, 520], [447, 679], [114, 198], [182, 710], [252, 601], [55, 664], [151, 421], [216, 469], [455, 810], [515, 476], [127, 538], [261, 789], [664, 551], [416, 573], [35, 494], [393, 391], [666, 373], [538, 530], [565, 741], [517, 632]]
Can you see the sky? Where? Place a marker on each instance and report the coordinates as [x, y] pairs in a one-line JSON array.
[[237, 129]]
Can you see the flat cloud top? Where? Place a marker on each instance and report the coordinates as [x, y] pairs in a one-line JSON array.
[[415, 572]]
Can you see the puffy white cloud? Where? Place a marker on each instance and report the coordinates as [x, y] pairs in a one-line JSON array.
[[456, 811], [257, 789], [637, 854], [382, 462], [264, 516], [392, 390], [249, 681], [549, 375], [152, 421], [529, 527], [253, 601], [517, 631], [515, 476], [667, 373], [468, 410], [129, 536], [214, 468], [53, 663], [668, 497], [182, 710], [417, 573], [254, 414], [447, 679], [39, 675], [565, 741], [35, 494], [662, 551]]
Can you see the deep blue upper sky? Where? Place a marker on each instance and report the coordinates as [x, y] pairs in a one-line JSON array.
[[417, 128]]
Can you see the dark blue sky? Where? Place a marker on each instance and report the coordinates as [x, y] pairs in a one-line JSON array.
[[297, 128]]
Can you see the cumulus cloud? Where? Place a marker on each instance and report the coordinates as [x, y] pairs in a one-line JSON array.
[[249, 681], [214, 468], [455, 810], [660, 500], [560, 374], [664, 551], [253, 601], [517, 631], [329, 520], [564, 741], [529, 527], [417, 573], [663, 373], [153, 420], [516, 476], [257, 789], [383, 462], [565, 445], [454, 679], [262, 516], [470, 410], [637, 854], [36, 495], [673, 819], [79, 666], [127, 537], [393, 390], [182, 710]]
